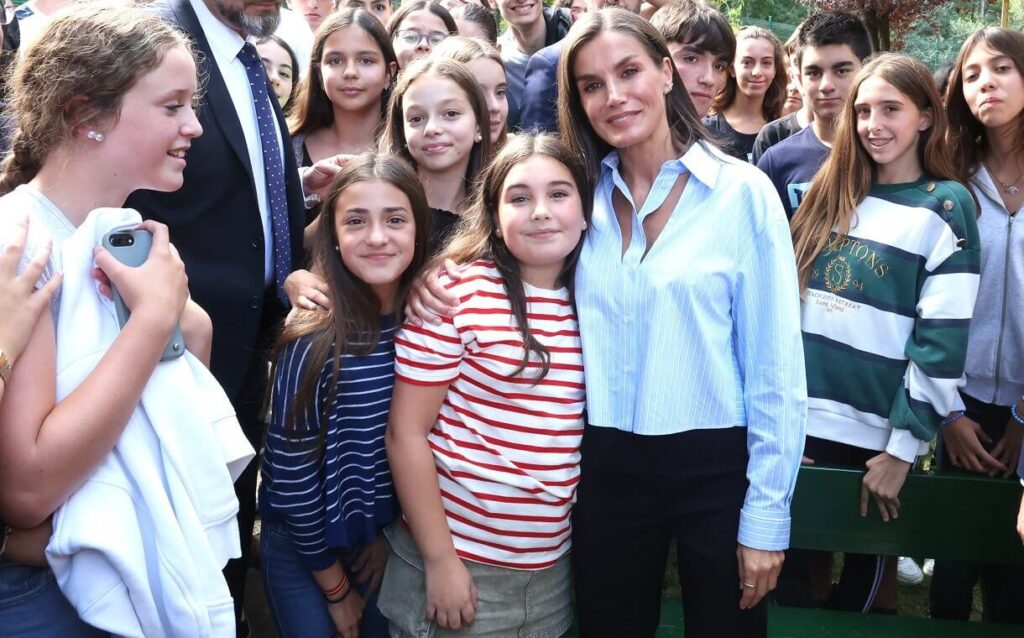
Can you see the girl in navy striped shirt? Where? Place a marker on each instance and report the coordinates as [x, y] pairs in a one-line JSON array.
[[327, 491]]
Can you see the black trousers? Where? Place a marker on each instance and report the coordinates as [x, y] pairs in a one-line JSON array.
[[1002, 586], [862, 573], [636, 495], [249, 410]]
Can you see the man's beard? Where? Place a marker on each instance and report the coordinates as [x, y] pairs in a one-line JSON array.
[[258, 27]]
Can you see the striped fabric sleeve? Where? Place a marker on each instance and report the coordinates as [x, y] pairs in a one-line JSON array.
[[429, 355], [937, 347], [298, 489], [770, 353]]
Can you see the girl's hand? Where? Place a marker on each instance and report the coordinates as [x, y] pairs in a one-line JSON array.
[[317, 177], [307, 291], [158, 289], [20, 303], [429, 300], [759, 573], [347, 614], [963, 440], [451, 594], [370, 562], [1007, 451], [27, 546], [884, 480]]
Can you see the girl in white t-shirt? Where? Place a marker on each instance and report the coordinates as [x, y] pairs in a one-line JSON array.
[[487, 413]]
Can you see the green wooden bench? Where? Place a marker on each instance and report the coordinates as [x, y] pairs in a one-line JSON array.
[[947, 516]]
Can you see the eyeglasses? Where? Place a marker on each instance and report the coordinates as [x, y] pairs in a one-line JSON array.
[[412, 37]]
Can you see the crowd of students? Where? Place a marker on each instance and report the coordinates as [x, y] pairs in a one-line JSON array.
[[535, 307]]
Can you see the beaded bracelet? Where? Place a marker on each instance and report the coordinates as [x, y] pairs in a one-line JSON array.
[[953, 416], [1016, 416]]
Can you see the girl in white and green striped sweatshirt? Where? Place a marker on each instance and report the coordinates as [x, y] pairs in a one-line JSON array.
[[888, 257]]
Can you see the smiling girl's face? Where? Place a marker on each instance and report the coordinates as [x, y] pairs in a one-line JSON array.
[[439, 123]]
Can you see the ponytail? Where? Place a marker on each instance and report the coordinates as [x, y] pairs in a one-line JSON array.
[[20, 166]]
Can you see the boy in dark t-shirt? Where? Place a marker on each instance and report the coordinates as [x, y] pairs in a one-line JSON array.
[[831, 49]]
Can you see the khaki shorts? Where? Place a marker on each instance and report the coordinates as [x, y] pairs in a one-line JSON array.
[[513, 603]]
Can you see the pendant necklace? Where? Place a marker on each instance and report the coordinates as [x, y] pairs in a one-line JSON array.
[[1010, 188]]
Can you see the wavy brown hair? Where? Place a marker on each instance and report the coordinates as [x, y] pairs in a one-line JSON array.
[[967, 139], [775, 96], [477, 236], [352, 325], [312, 109], [846, 178], [578, 134], [78, 73], [393, 140]]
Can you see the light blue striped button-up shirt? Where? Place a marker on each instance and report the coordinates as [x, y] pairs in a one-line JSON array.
[[704, 331]]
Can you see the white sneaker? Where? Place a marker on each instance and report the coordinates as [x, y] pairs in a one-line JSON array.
[[907, 571], [929, 566]]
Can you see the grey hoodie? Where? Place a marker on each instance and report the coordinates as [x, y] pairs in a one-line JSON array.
[[995, 349]]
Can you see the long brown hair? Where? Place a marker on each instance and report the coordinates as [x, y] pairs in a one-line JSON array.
[[845, 179], [966, 134], [78, 72], [352, 325], [477, 236], [578, 134], [394, 140], [775, 96], [313, 110]]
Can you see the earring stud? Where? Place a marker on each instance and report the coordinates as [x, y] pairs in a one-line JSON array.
[[95, 136]]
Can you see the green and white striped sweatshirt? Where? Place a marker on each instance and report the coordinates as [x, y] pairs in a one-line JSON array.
[[886, 316]]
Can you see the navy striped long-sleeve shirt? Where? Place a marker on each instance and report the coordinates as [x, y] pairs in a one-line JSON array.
[[334, 502]]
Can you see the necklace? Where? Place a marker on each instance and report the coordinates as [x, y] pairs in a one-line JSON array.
[[1011, 187]]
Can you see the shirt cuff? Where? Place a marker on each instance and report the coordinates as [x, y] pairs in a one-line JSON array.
[[766, 530], [904, 445]]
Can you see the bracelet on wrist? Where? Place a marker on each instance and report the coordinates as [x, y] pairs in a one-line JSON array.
[[1016, 415], [334, 600], [331, 592], [953, 416]]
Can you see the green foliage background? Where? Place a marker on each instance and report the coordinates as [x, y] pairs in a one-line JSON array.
[[955, 21]]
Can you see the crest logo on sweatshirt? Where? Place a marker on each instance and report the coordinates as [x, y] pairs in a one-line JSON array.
[[837, 275]]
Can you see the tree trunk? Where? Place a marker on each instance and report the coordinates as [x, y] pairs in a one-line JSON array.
[[875, 27], [884, 37]]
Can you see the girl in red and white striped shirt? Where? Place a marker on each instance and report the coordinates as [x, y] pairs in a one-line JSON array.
[[487, 413]]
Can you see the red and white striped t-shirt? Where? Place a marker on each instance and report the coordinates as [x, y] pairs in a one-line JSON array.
[[506, 448]]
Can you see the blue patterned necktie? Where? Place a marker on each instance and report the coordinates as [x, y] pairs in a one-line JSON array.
[[273, 169]]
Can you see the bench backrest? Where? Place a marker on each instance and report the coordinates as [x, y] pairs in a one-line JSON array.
[[949, 516]]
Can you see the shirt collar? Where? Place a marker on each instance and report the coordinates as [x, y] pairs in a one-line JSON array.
[[700, 161], [225, 44]]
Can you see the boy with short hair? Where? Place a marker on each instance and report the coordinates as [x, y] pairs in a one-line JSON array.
[[702, 45], [831, 49]]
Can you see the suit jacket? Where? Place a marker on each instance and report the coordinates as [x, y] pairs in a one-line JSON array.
[[540, 91], [214, 218]]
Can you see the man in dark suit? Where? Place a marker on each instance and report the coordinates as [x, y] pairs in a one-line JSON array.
[[539, 101], [238, 219]]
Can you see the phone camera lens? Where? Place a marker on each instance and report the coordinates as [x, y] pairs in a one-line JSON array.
[[121, 240]]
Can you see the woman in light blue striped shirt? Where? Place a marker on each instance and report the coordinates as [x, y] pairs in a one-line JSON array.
[[689, 314]]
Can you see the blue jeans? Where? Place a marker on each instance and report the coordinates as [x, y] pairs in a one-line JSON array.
[[296, 600], [32, 606]]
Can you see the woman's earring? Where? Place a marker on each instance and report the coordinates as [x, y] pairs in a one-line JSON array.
[[668, 89], [479, 137], [336, 249], [584, 225], [497, 233], [95, 136]]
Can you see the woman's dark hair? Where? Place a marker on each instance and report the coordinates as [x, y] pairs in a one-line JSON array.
[[478, 14], [394, 140], [966, 134], [683, 122], [941, 76], [295, 69], [352, 325], [477, 236], [775, 96], [313, 110], [419, 5]]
